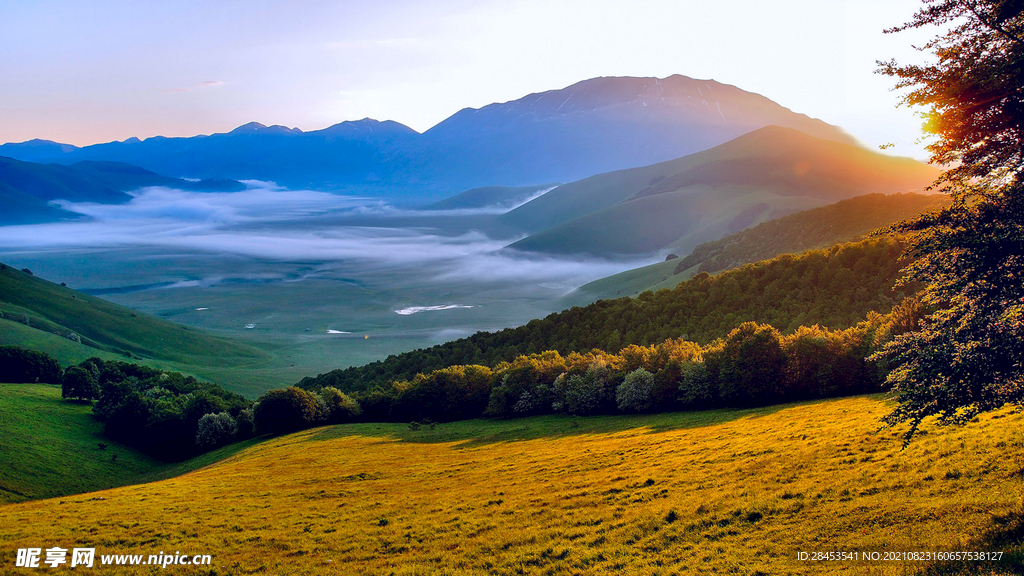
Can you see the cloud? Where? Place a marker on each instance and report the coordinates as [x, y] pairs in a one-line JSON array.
[[266, 223]]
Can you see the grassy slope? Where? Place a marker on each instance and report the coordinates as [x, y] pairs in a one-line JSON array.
[[808, 230], [777, 167], [111, 327], [683, 219], [663, 494], [51, 448], [487, 196], [250, 380]]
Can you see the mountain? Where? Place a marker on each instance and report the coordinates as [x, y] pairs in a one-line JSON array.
[[593, 126], [37, 150], [333, 157], [27, 188], [675, 205], [102, 325], [599, 125], [812, 229]]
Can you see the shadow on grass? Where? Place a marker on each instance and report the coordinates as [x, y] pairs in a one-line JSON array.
[[1006, 535], [480, 432], [171, 470]]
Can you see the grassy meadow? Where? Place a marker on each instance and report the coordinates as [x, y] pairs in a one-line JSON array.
[[704, 492], [54, 448]]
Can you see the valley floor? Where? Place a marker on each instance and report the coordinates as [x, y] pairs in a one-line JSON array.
[[713, 492]]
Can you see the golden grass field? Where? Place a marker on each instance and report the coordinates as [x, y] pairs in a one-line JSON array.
[[716, 492]]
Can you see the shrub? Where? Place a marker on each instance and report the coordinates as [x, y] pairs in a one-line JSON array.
[[79, 384], [287, 410], [635, 394], [215, 430]]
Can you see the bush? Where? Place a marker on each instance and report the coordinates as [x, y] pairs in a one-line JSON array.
[[280, 411], [215, 430], [635, 394], [79, 384]]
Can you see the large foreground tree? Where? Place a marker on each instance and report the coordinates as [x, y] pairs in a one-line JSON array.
[[968, 356]]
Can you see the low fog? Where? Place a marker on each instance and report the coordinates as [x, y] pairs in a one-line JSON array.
[[269, 224]]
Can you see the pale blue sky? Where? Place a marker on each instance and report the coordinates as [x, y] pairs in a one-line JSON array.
[[93, 71]]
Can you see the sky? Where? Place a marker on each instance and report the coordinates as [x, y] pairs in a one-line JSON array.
[[86, 72]]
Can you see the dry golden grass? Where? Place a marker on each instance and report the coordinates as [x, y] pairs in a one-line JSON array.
[[720, 492]]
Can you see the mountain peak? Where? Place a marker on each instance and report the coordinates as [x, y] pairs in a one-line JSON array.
[[250, 127], [367, 126], [257, 128]]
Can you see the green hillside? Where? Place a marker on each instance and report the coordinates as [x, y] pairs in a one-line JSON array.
[[52, 447], [808, 230], [54, 309], [678, 204], [835, 287]]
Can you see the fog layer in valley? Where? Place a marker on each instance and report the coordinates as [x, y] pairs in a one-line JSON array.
[[303, 264]]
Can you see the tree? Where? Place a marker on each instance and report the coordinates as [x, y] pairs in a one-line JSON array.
[[974, 91], [79, 384], [965, 357], [287, 410], [750, 366], [589, 393], [635, 394], [340, 407], [215, 429], [22, 365]]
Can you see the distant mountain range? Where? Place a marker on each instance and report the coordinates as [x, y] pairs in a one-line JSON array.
[[593, 126], [27, 188], [676, 205]]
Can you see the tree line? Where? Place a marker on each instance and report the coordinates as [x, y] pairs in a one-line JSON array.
[[754, 365], [835, 287]]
